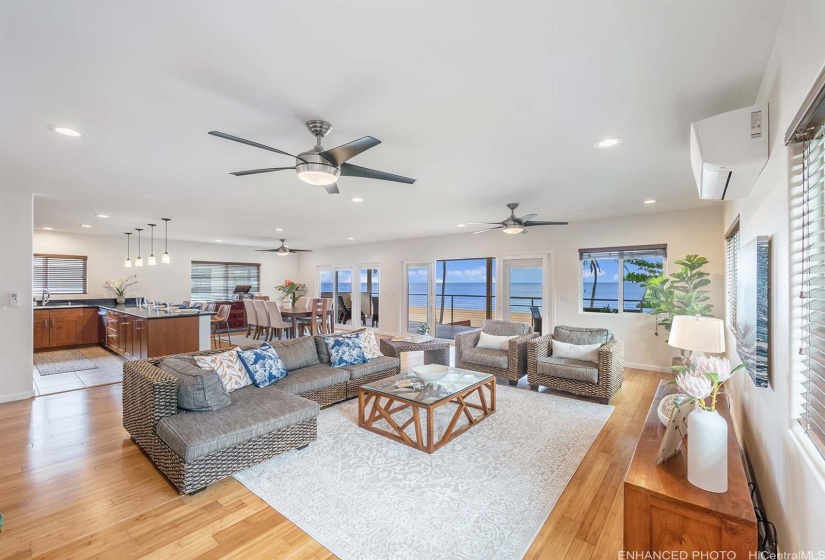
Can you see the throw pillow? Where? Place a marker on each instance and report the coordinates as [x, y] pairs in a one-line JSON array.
[[229, 368], [370, 345], [199, 390], [493, 342], [346, 351], [263, 365], [583, 352]]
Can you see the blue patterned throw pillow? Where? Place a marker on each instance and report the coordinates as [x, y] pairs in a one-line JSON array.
[[346, 350], [263, 364]]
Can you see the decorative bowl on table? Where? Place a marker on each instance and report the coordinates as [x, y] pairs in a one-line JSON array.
[[431, 372], [667, 406]]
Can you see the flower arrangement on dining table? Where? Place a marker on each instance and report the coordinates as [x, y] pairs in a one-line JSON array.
[[292, 290], [119, 287], [704, 379]]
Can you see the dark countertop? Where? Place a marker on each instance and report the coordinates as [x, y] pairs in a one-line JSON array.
[[64, 306], [144, 313]]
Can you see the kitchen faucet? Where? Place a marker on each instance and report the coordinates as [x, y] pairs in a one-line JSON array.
[[45, 297]]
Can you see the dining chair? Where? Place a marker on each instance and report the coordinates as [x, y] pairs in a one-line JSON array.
[[251, 316], [222, 318], [210, 307], [262, 316], [374, 311], [302, 301], [318, 322], [185, 304], [277, 323], [344, 312]]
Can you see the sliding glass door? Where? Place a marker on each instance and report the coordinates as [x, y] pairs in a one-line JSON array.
[[523, 288], [418, 281], [370, 304]]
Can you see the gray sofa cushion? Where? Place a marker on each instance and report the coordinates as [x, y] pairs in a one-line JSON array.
[[254, 412], [485, 357], [576, 370], [297, 353], [581, 336], [505, 328], [198, 389], [374, 365], [321, 343], [311, 378]]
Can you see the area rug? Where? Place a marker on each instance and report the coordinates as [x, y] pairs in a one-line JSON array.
[[485, 495], [62, 361]]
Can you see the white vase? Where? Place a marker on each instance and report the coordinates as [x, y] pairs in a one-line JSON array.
[[121, 299], [708, 451]]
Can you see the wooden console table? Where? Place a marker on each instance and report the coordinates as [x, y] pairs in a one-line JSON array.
[[664, 512]]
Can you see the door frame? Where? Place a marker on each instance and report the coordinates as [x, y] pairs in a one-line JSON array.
[[405, 287], [548, 286]]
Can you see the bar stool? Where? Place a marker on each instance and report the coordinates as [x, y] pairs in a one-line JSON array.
[[262, 318], [251, 316], [217, 320]]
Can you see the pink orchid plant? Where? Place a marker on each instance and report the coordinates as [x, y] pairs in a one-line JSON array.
[[704, 379]]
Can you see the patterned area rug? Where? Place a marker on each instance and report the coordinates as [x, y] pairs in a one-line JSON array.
[[485, 495], [62, 361]]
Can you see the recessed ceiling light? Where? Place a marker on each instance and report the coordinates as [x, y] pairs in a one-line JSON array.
[[85, 225], [66, 131], [48, 228], [357, 199], [608, 142], [279, 229], [351, 238], [102, 215], [461, 225], [649, 201]]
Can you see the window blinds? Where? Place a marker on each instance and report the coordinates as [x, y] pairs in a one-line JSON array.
[[731, 258], [632, 252], [812, 296], [60, 274], [216, 281]]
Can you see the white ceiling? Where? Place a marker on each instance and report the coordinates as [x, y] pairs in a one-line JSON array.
[[483, 103]]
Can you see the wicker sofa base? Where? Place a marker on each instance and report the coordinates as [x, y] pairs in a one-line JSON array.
[[354, 384], [327, 395]]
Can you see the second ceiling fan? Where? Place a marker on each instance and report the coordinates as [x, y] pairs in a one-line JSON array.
[[515, 225], [283, 250], [319, 166]]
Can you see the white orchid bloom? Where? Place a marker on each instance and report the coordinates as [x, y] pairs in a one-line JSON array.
[[711, 364], [694, 384]]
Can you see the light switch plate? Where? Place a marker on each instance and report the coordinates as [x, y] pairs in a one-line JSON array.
[[13, 301]]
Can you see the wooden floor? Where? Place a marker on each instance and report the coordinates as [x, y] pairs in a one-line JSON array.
[[72, 485]]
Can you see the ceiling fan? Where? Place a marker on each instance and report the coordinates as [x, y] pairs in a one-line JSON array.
[[283, 250], [323, 167], [515, 225]]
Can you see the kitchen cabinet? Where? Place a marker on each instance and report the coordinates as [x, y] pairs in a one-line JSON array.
[[137, 334], [54, 328]]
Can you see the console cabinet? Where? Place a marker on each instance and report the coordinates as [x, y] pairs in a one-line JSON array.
[[54, 328]]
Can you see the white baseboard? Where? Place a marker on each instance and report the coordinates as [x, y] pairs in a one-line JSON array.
[[648, 367], [16, 396]]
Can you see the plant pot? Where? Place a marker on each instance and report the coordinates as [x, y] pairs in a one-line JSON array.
[[120, 299], [708, 451]]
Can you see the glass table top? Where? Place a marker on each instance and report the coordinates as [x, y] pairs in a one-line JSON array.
[[427, 393]]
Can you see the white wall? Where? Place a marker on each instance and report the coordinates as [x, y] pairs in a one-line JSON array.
[[15, 276], [163, 282], [790, 473], [698, 231]]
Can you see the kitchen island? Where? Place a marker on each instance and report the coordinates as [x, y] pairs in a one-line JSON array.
[[137, 333]]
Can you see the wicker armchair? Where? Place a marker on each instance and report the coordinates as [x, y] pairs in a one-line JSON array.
[[590, 379], [510, 364]]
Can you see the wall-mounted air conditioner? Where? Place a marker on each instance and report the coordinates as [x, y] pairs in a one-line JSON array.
[[729, 151]]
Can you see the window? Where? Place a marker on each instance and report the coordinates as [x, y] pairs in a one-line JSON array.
[[465, 294], [731, 258], [612, 278], [216, 281], [60, 274]]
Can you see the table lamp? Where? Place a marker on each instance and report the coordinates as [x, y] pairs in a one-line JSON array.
[[699, 334]]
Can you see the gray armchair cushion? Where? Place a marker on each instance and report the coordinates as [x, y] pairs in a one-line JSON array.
[[485, 357], [576, 370], [374, 365], [580, 336], [505, 328], [254, 412], [297, 353], [312, 378], [199, 389]]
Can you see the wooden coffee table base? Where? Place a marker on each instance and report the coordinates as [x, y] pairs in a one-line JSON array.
[[374, 407]]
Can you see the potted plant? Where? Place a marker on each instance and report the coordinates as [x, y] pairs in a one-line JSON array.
[[291, 290], [681, 293], [119, 287]]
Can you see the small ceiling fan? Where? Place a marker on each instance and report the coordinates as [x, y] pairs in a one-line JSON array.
[[283, 250], [515, 225], [323, 167]]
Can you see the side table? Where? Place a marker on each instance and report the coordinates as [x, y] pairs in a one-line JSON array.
[[436, 351]]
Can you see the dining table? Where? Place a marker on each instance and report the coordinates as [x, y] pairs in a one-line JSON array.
[[298, 312]]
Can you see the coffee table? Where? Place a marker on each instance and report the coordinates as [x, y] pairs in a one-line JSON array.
[[383, 400], [436, 351]]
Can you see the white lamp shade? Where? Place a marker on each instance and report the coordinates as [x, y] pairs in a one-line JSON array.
[[700, 334]]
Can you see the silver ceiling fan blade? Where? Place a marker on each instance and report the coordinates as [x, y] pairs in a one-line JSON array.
[[350, 170], [341, 154], [524, 231], [254, 171], [332, 189], [485, 230], [545, 223], [483, 223], [300, 250], [251, 143], [267, 250], [527, 218]]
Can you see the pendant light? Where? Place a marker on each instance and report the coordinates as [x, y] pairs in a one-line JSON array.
[[165, 259], [152, 260], [128, 263], [139, 260]]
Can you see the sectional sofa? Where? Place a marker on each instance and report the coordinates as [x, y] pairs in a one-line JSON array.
[[194, 449]]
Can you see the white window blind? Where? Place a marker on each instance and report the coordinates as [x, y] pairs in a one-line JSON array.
[[216, 281], [60, 274], [731, 258], [812, 295]]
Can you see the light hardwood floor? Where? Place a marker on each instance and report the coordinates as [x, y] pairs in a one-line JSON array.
[[72, 485]]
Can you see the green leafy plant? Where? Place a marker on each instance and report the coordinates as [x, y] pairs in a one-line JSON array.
[[681, 293]]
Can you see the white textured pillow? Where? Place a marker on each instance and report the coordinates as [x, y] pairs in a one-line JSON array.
[[493, 342], [369, 344], [584, 352], [229, 367]]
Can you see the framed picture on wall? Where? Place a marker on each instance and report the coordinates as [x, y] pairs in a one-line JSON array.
[[753, 298]]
